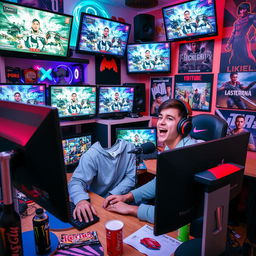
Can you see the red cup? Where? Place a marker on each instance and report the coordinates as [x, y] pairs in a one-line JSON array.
[[114, 235]]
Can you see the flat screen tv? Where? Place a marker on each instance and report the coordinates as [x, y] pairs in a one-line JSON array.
[[73, 102], [24, 93], [115, 101], [29, 30], [98, 35], [73, 148], [152, 57], [189, 20]]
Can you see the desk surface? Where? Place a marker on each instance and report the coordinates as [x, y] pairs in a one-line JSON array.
[[250, 165], [131, 224]]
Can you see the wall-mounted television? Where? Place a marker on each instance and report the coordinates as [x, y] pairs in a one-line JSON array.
[[115, 101], [189, 20], [149, 57], [98, 35], [24, 93], [29, 30], [73, 102]]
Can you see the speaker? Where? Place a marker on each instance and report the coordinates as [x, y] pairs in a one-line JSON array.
[[144, 27], [139, 100]]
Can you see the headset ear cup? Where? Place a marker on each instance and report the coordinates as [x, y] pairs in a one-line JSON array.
[[184, 126]]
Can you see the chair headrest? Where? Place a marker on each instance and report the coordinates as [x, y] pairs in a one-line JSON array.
[[208, 127]]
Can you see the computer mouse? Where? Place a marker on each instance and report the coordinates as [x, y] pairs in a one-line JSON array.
[[150, 243]]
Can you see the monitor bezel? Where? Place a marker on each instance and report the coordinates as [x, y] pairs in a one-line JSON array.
[[45, 91], [78, 50], [78, 117], [149, 72], [112, 114], [33, 54], [71, 167], [189, 38]]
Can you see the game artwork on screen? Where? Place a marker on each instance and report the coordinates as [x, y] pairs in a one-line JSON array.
[[115, 99], [31, 94], [138, 136], [73, 148], [190, 19], [152, 57], [74, 101], [99, 35], [29, 30]]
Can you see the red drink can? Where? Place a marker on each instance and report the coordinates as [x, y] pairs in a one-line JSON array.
[[114, 235]]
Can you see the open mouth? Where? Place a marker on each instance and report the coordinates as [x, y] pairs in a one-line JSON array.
[[162, 131]]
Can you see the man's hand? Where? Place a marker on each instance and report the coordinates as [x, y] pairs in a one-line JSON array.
[[117, 198], [84, 211], [123, 208]]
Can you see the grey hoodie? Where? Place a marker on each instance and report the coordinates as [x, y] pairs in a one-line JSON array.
[[104, 171]]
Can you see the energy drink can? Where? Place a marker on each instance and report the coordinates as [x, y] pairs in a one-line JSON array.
[[41, 232]]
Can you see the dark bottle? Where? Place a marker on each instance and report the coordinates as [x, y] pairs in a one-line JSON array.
[[41, 232], [10, 225]]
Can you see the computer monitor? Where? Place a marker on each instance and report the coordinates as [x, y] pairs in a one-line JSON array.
[[73, 101], [178, 197], [138, 136], [24, 93], [115, 101], [37, 166], [73, 148]]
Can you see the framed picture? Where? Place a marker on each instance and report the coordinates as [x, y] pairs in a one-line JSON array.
[[237, 90], [196, 57], [160, 91], [194, 89]]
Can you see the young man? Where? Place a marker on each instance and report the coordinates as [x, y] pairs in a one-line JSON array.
[[172, 114]]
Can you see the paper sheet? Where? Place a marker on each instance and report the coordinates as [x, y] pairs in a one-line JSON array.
[[167, 244]]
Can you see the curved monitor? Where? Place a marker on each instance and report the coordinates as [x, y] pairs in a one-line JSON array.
[[189, 20], [98, 35], [29, 30], [115, 101], [24, 93], [73, 102], [152, 57]]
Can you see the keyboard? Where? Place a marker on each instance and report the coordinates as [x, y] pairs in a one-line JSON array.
[[149, 156], [81, 225]]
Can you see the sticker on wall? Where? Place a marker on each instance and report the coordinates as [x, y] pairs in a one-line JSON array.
[[13, 75], [30, 76]]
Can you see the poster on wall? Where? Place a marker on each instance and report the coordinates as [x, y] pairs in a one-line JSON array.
[[160, 91], [107, 70], [236, 90], [238, 52], [195, 90], [248, 123], [196, 57], [50, 5]]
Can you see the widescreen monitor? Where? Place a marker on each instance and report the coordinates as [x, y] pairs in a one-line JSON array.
[[24, 93], [73, 102], [115, 101], [152, 57], [37, 166], [190, 20], [74, 147], [178, 196], [29, 30], [138, 136], [98, 35]]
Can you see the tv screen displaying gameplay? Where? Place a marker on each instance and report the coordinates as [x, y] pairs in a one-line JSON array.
[[115, 99], [74, 147], [73, 102], [24, 93], [149, 57], [25, 29], [98, 35], [191, 19]]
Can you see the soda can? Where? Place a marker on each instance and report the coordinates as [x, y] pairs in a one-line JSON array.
[[114, 236]]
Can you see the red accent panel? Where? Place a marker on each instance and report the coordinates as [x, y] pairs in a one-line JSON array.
[[223, 170]]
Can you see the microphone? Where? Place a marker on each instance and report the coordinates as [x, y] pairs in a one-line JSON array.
[[145, 148]]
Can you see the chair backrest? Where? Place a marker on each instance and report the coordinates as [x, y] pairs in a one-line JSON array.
[[208, 127]]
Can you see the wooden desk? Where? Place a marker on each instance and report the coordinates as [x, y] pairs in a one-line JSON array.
[[131, 224]]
